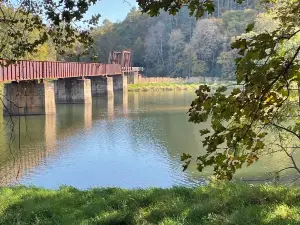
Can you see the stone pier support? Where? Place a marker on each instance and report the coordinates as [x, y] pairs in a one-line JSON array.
[[133, 77], [29, 98], [102, 86], [73, 90], [120, 82]]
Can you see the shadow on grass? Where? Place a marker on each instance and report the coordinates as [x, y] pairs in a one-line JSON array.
[[212, 204]]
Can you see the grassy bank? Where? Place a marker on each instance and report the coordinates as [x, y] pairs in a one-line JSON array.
[[168, 86], [164, 86], [212, 204]]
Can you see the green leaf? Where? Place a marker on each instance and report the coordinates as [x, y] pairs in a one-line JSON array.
[[250, 27], [204, 131], [185, 156], [221, 89]]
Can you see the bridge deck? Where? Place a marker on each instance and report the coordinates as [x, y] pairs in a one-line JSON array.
[[34, 70]]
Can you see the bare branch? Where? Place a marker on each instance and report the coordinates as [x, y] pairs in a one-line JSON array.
[[286, 129]]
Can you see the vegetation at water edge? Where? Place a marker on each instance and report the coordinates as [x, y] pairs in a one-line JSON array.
[[212, 204], [171, 86], [163, 86]]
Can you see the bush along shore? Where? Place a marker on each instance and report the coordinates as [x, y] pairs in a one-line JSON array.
[[213, 204]]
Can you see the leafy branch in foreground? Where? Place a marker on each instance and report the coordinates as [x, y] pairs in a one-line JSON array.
[[26, 25], [244, 120]]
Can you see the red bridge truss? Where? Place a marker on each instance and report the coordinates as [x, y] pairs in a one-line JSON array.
[[121, 58], [119, 63]]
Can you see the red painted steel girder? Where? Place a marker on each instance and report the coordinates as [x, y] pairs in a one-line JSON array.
[[33, 70]]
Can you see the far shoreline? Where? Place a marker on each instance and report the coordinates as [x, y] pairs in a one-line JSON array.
[[170, 86]]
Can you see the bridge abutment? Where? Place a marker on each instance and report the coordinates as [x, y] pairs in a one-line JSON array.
[[29, 98], [73, 90], [102, 86]]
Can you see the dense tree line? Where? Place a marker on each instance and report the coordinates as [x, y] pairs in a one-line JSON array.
[[177, 45]]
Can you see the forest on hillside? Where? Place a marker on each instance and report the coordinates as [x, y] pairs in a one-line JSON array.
[[177, 46], [165, 45]]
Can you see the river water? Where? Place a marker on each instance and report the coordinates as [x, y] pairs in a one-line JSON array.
[[133, 140]]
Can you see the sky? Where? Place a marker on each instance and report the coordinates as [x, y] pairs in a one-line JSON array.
[[114, 10]]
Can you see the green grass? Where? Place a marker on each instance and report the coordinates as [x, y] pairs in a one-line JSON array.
[[164, 86], [212, 204], [169, 86]]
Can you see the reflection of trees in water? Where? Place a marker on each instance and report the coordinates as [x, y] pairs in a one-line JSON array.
[[161, 117], [178, 136], [162, 133], [168, 99], [273, 160]]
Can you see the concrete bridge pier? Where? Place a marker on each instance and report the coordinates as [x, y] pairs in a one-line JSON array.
[[120, 82], [29, 98], [73, 90], [102, 86], [133, 77]]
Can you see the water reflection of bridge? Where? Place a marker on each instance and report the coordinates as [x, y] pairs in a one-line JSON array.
[[18, 163], [40, 147]]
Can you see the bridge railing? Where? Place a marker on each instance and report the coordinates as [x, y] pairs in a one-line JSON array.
[[33, 70]]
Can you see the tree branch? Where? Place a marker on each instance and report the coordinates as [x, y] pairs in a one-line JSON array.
[[286, 129]]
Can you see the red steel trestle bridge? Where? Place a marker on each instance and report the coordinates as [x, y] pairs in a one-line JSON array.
[[118, 63]]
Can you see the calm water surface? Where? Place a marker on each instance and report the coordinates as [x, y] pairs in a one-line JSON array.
[[133, 140]]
